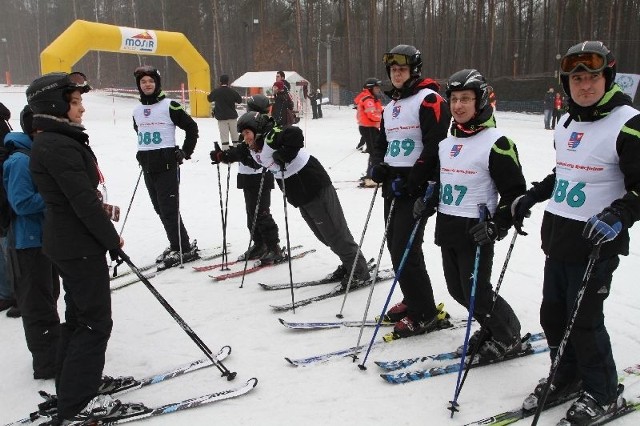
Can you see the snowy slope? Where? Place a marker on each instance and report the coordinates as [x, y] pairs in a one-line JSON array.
[[146, 339]]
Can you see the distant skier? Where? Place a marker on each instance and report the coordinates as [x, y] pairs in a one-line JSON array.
[[369, 113]]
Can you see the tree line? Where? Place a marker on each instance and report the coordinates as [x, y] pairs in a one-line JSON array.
[[502, 38]]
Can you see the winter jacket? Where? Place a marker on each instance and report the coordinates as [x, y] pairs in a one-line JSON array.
[[5, 115], [434, 118], [240, 153], [281, 103], [23, 196], [225, 99], [160, 160], [369, 109], [549, 99], [562, 237], [65, 170]]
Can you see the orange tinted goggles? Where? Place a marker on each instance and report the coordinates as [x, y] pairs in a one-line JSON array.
[[591, 62]]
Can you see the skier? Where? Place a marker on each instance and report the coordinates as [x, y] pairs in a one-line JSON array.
[[307, 186], [37, 285], [412, 125], [593, 200], [266, 243], [369, 114], [155, 121], [77, 234], [476, 146]]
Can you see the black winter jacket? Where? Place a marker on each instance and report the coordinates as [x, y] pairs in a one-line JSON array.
[[225, 99], [65, 170]]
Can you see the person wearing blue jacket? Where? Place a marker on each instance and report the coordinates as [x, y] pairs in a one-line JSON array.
[[37, 285]]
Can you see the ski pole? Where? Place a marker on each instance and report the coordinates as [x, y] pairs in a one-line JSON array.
[[225, 258], [286, 228], [375, 277], [342, 159], [126, 216], [222, 217], [253, 226], [355, 259], [403, 261], [472, 301], [593, 258], [483, 332], [179, 217], [230, 375]]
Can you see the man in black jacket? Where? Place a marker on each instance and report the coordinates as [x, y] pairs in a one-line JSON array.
[[307, 186], [77, 234], [155, 121], [224, 110]]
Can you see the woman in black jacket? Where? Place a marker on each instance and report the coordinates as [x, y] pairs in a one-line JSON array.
[[77, 234]]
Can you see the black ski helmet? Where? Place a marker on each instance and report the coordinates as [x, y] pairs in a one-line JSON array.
[[469, 79], [254, 121], [608, 68], [372, 82], [147, 70], [404, 54], [49, 94], [258, 103]]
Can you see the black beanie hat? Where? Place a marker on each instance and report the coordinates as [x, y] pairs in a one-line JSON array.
[[26, 120]]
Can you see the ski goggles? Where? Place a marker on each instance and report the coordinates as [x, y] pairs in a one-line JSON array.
[[588, 61], [145, 70], [395, 59], [79, 80]]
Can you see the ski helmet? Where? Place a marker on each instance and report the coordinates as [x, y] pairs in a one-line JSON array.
[[404, 54], [49, 94], [254, 121], [591, 56], [258, 103], [26, 120], [469, 79], [372, 82], [147, 70]]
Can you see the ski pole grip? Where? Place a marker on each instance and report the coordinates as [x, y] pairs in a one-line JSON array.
[[216, 145], [482, 211], [429, 191]]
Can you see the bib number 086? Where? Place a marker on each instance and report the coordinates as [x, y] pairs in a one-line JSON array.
[[574, 196]]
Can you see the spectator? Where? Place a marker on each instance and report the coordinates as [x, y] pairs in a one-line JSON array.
[[314, 106], [224, 110], [280, 77], [282, 110], [37, 285], [548, 108], [557, 110], [369, 114], [319, 102]]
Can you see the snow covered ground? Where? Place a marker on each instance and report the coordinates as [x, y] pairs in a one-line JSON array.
[[147, 340]]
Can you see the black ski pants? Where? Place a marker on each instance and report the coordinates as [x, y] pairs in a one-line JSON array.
[[164, 191], [266, 230], [588, 354], [369, 135], [325, 217], [414, 280], [37, 288], [458, 264], [84, 335]]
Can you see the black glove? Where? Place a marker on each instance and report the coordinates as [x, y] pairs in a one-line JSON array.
[[487, 232], [521, 208], [218, 155], [399, 186], [379, 172], [603, 227], [277, 158], [180, 155], [418, 177], [423, 208]]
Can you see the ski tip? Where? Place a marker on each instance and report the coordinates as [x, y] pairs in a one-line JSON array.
[[282, 321], [290, 362], [253, 382]]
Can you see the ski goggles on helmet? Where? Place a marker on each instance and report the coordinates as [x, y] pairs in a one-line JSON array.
[[395, 59], [145, 70], [78, 81], [588, 61]]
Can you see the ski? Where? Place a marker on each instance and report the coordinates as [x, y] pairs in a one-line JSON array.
[[341, 353], [258, 266], [131, 281], [323, 325], [132, 412], [217, 252], [127, 384], [220, 265], [512, 416], [383, 275], [326, 280], [455, 367], [404, 363]]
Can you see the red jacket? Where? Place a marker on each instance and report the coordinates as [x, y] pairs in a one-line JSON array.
[[369, 109]]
